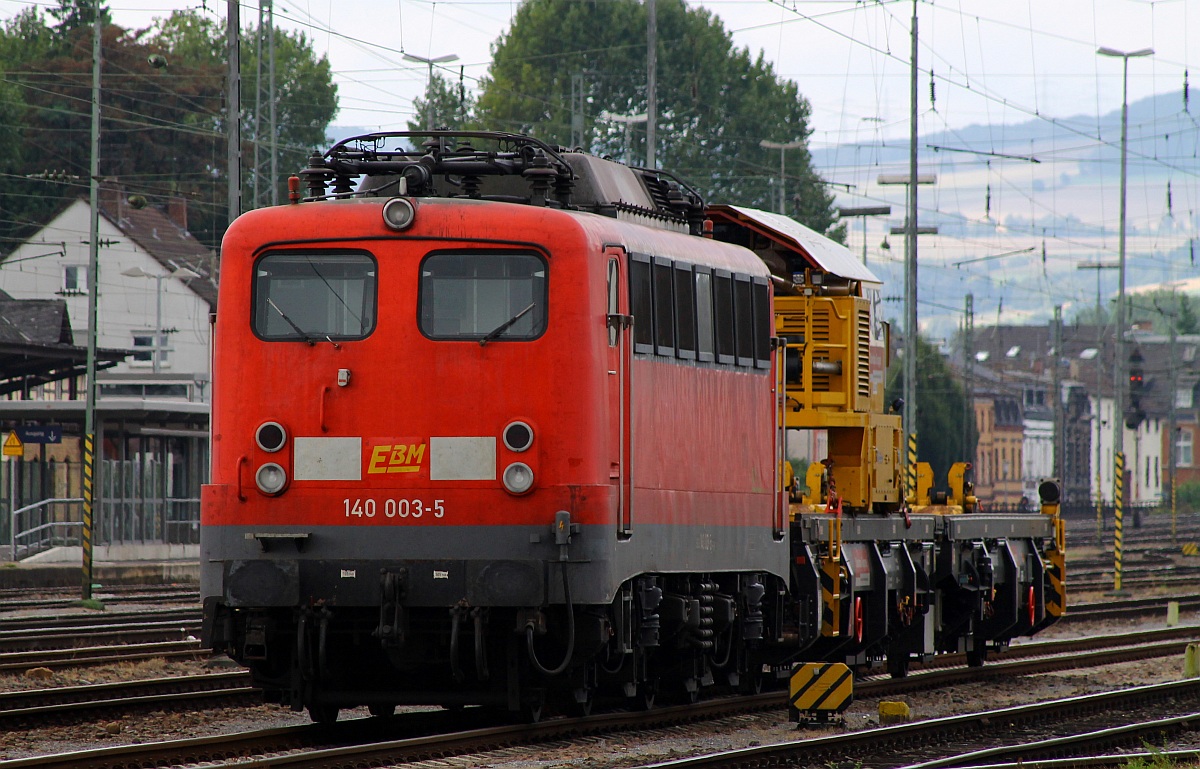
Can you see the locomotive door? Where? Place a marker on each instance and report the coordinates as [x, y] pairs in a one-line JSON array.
[[619, 360]]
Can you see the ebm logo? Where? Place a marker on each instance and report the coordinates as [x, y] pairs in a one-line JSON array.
[[396, 458]]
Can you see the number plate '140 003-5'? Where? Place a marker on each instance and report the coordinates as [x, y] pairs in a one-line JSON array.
[[393, 508]]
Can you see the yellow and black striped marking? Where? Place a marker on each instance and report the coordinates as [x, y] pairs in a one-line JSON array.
[[817, 689], [1118, 516], [831, 597], [1056, 569], [910, 475], [1191, 548], [89, 456]]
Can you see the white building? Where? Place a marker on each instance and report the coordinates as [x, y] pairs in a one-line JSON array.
[[1143, 456], [155, 294], [1037, 451], [155, 282]]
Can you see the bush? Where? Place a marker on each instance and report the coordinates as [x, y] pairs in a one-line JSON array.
[[1187, 498]]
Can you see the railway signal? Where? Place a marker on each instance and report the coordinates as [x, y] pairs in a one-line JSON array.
[[1134, 415]]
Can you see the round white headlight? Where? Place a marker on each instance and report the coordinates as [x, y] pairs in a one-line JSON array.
[[518, 478], [270, 478], [399, 213]]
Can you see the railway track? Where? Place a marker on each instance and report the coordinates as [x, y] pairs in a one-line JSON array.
[[20, 599], [947, 736], [202, 692], [57, 642], [373, 741]]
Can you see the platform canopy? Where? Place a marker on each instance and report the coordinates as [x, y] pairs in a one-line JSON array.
[[36, 345]]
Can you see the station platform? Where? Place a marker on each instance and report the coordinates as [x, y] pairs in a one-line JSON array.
[[125, 565]]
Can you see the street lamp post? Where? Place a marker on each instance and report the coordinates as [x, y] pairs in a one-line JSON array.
[[783, 147], [138, 272], [1119, 364], [864, 212], [911, 332], [627, 121], [1119, 367], [429, 84], [1098, 266]]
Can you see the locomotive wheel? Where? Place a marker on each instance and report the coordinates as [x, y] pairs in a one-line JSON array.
[[584, 708], [381, 710], [976, 657], [647, 692], [897, 666], [322, 713], [751, 682], [534, 708]]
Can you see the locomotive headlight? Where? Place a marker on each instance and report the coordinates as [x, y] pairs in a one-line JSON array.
[[518, 478], [270, 436], [270, 479], [518, 436], [399, 213]]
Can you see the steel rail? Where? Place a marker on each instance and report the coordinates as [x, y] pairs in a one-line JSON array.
[[824, 749], [246, 745], [1099, 739], [99, 655]]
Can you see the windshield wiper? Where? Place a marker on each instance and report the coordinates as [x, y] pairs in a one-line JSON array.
[[290, 322], [505, 326]]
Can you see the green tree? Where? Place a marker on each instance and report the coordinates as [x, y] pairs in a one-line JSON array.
[[452, 106], [305, 102], [939, 410], [1187, 322], [715, 102], [162, 127]]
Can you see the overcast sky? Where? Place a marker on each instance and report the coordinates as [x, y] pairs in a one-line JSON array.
[[998, 61], [994, 63]]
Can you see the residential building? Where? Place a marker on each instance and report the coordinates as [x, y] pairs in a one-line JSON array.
[[156, 291]]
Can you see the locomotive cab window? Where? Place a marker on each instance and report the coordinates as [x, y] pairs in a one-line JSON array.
[[482, 296], [314, 295]]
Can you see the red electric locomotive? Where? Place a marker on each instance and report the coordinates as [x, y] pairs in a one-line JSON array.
[[446, 458], [496, 423]]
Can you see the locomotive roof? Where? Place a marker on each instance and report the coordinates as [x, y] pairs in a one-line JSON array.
[[817, 251], [496, 166]]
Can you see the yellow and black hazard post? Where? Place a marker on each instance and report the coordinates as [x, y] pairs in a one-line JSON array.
[[89, 460], [831, 566], [910, 475], [1118, 516], [819, 689], [1191, 548], [1056, 555]]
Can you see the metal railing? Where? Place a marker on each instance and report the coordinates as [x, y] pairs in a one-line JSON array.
[[58, 522], [46, 526]]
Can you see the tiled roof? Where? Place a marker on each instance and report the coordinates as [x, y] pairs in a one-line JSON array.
[[35, 321], [171, 245]]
